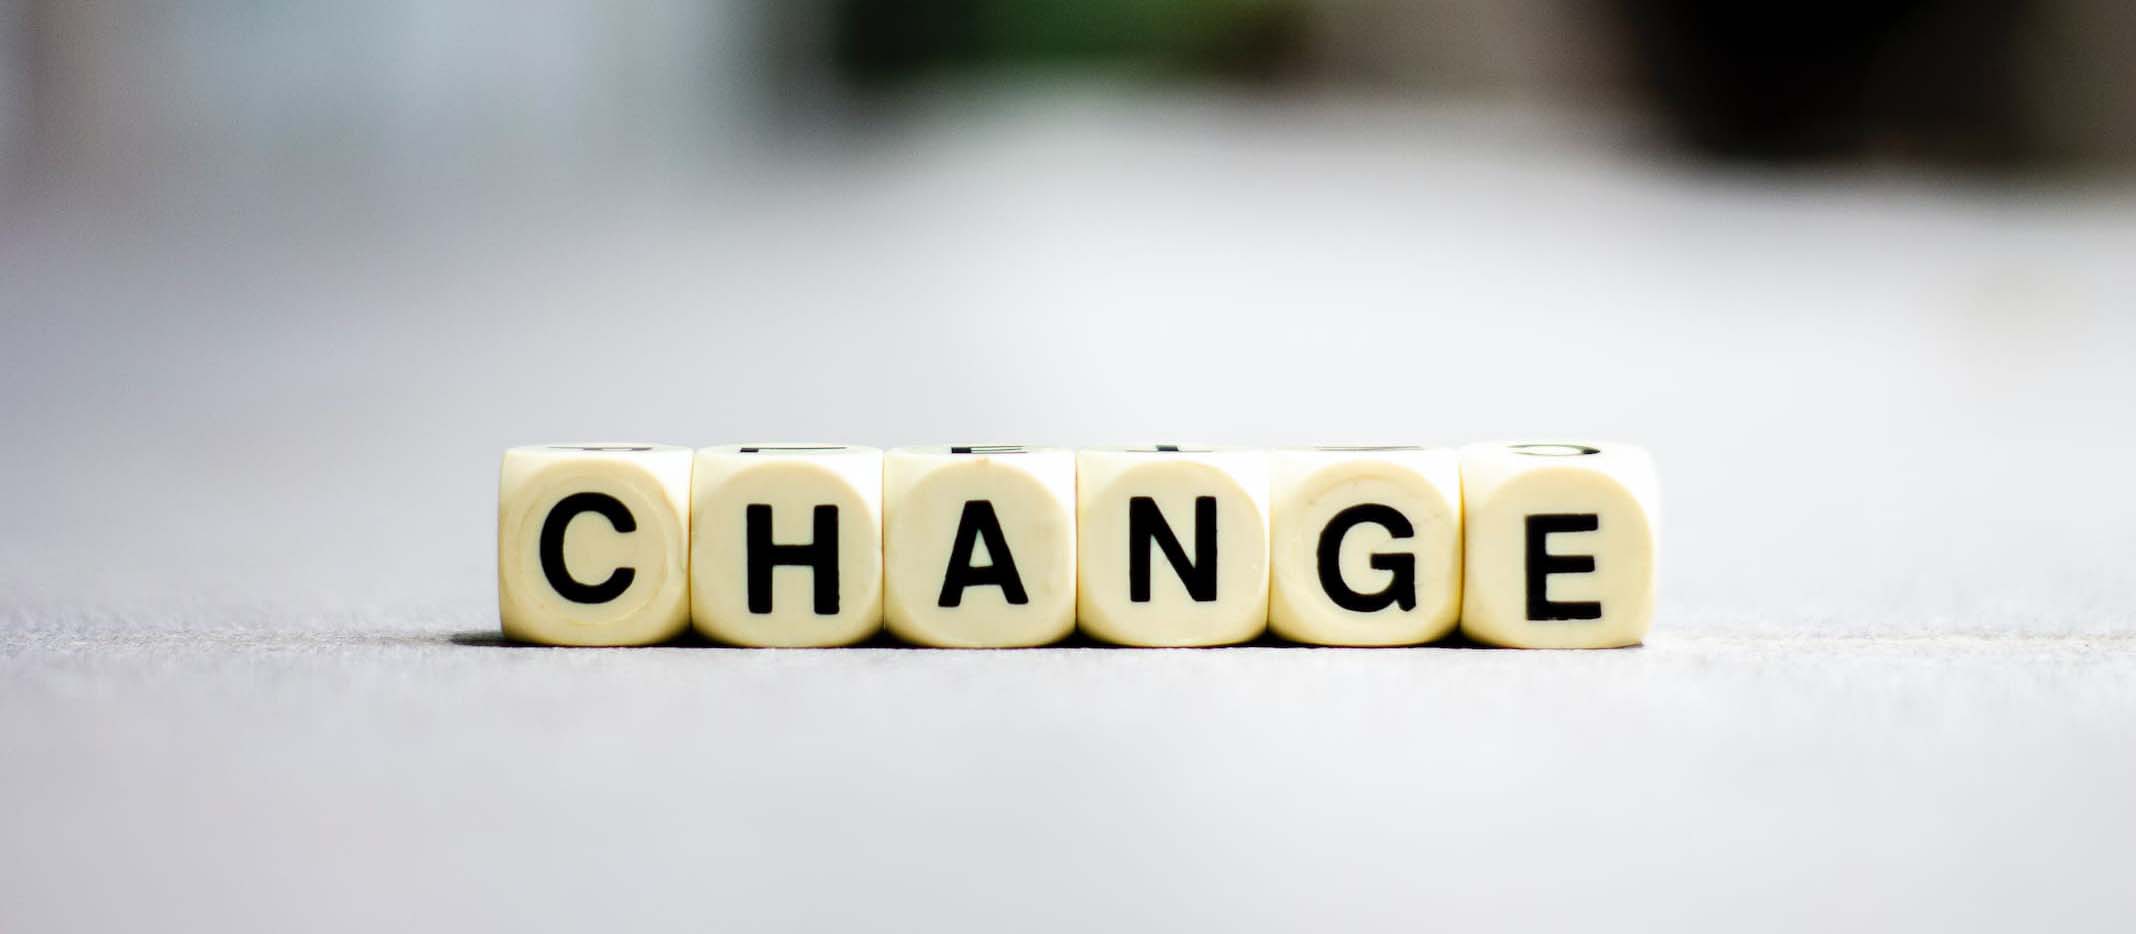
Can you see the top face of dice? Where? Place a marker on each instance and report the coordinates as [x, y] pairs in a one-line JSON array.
[[1365, 544], [593, 543], [979, 544], [1561, 544], [1173, 544], [786, 543]]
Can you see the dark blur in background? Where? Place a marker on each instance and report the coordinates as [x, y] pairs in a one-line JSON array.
[[1969, 83], [398, 89]]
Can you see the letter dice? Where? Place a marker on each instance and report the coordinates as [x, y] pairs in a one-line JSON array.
[[979, 545], [787, 544], [1365, 544], [1172, 544], [593, 543], [1561, 544]]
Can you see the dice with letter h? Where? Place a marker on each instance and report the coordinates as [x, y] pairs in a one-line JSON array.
[[786, 544]]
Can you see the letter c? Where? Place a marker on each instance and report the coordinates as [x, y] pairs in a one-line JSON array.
[[552, 547]]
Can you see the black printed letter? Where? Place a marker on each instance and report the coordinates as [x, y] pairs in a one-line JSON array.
[[1402, 590], [1146, 527], [977, 522], [1542, 564], [819, 556], [552, 547]]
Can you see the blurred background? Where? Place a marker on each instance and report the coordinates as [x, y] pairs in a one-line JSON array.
[[279, 281], [317, 255], [404, 95]]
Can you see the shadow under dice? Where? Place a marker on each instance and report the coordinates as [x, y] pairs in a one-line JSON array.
[[1561, 543], [593, 543], [1365, 544], [979, 545], [786, 544], [1173, 544]]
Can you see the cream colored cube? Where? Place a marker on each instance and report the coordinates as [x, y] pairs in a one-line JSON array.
[[979, 545], [1364, 544], [1172, 544], [593, 543], [1561, 544], [787, 544]]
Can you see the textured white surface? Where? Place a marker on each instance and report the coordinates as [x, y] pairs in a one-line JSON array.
[[355, 774], [250, 483]]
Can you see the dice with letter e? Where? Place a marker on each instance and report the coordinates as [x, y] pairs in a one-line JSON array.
[[787, 544], [1364, 544], [593, 543], [1561, 544], [979, 545], [1172, 544]]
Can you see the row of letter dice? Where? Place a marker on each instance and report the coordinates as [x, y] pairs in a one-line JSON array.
[[1531, 545]]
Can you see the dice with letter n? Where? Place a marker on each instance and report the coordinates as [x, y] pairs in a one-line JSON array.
[[1172, 544]]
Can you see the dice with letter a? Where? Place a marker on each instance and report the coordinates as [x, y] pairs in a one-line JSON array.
[[593, 543], [1561, 544], [979, 545]]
